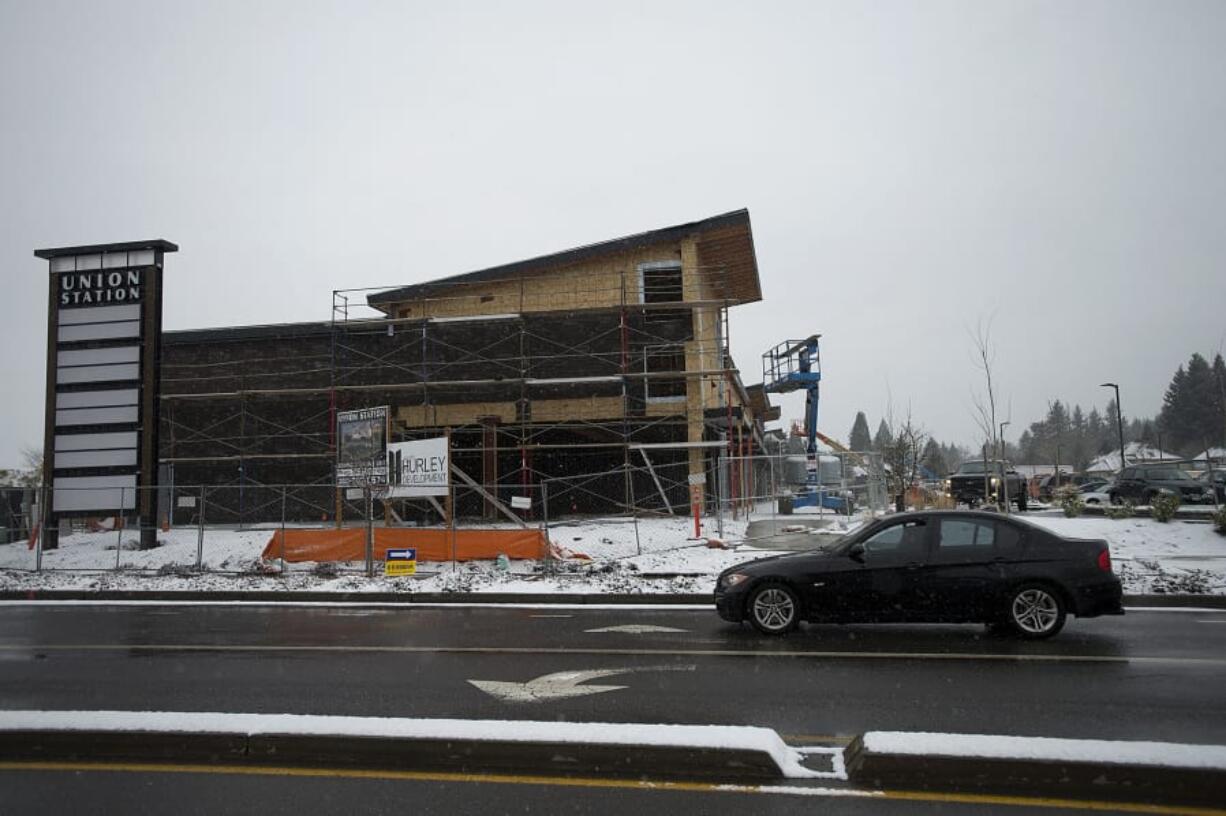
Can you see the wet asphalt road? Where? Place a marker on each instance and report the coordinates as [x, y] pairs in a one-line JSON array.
[[1150, 675]]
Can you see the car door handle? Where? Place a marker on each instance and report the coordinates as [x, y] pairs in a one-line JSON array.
[[911, 566]]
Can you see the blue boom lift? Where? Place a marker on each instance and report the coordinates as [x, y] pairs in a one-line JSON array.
[[791, 366]]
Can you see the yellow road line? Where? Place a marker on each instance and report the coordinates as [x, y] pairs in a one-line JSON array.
[[1044, 802], [814, 739], [592, 652], [625, 784]]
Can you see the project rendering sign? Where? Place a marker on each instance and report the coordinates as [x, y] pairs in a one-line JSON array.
[[104, 326], [420, 468], [361, 446]]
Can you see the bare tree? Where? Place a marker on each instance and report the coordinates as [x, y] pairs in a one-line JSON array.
[[984, 402], [32, 474], [904, 455]]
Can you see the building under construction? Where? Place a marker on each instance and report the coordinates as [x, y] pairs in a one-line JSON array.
[[612, 358]]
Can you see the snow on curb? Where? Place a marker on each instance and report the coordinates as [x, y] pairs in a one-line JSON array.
[[630, 735], [1106, 752], [1132, 771]]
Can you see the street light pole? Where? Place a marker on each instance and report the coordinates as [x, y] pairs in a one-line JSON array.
[[1004, 482], [1119, 420]]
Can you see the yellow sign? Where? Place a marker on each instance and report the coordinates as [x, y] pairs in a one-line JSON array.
[[400, 562]]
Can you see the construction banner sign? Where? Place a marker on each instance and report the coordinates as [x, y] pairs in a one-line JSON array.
[[419, 468]]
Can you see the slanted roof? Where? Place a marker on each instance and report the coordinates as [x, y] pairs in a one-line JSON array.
[[724, 242]]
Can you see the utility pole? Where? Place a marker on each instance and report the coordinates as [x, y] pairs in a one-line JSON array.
[[1119, 420]]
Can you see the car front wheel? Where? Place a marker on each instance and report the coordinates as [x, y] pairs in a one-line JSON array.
[[1035, 611], [774, 609]]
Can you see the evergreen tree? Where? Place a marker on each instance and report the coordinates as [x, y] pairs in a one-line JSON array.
[[955, 455], [1028, 448], [1174, 418], [1206, 419], [934, 458], [883, 439], [1109, 441], [1192, 413], [1094, 430], [1218, 435], [1078, 448], [860, 439]]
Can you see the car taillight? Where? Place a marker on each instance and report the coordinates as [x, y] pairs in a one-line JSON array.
[[1104, 560]]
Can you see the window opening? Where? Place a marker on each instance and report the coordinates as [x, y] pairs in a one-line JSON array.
[[663, 360]]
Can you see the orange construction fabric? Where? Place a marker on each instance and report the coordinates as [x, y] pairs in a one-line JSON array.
[[431, 544]]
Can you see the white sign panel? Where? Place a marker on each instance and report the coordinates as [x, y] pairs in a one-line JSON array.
[[110, 493], [420, 467]]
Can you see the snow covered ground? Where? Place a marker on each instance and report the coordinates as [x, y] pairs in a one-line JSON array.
[[1179, 557], [651, 556]]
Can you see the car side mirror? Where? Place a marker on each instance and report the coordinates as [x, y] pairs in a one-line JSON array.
[[856, 553]]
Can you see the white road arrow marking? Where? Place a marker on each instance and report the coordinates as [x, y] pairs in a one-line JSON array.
[[559, 685], [637, 629]]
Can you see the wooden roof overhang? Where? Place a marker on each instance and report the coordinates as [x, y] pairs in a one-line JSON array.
[[725, 251]]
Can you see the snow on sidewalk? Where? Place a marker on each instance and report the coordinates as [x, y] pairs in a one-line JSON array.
[[1108, 752], [743, 737]]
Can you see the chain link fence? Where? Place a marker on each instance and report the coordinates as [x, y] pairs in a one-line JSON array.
[[787, 484], [646, 505], [239, 529]]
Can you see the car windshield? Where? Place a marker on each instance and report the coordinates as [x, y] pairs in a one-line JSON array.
[[978, 467]]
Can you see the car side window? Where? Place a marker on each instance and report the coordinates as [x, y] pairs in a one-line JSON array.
[[962, 540], [898, 544], [1008, 540]]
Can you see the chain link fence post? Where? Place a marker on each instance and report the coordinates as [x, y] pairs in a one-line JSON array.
[[119, 530], [634, 517], [549, 565], [44, 498], [200, 533], [284, 496], [370, 532]]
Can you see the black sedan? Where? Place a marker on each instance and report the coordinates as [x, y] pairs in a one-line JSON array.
[[940, 566]]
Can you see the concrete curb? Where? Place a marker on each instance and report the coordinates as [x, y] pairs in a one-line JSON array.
[[671, 762], [1031, 777], [508, 598]]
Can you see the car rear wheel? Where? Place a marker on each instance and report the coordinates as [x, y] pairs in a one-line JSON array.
[[774, 609], [1035, 611]]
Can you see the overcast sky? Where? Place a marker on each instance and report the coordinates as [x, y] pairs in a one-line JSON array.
[[910, 169]]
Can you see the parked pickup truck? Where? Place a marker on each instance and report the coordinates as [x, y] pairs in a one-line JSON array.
[[967, 485]]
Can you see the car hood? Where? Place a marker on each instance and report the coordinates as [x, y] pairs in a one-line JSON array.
[[819, 559]]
